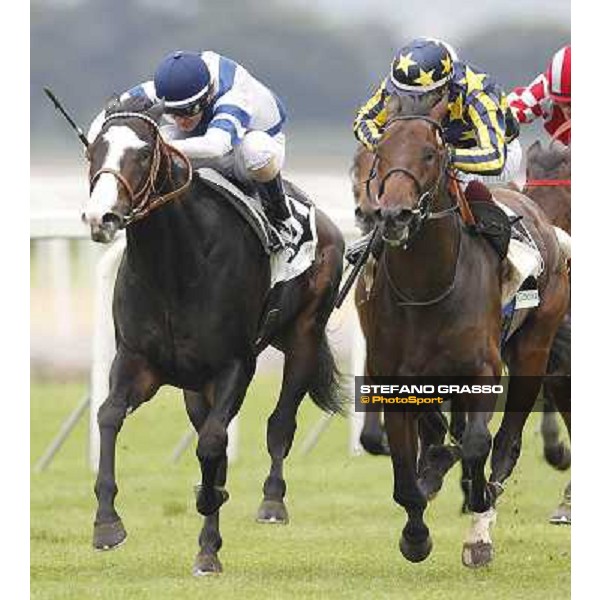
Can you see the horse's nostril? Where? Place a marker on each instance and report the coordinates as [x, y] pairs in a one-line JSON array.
[[112, 219]]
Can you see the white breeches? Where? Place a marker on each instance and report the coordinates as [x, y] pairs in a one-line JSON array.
[[258, 157]]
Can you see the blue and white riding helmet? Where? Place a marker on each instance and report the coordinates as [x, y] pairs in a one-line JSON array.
[[183, 80], [423, 66]]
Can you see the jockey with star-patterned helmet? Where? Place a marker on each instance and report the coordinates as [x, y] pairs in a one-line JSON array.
[[478, 126]]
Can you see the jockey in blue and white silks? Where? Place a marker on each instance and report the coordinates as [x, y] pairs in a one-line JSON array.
[[220, 116]]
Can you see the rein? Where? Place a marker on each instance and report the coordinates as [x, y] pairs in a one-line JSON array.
[[142, 201], [403, 300], [548, 183]]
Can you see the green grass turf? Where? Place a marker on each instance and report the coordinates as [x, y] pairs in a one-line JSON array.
[[342, 541]]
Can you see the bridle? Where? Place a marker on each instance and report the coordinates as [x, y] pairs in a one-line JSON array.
[[422, 210], [147, 198]]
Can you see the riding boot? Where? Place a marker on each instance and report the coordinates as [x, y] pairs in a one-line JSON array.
[[276, 208]]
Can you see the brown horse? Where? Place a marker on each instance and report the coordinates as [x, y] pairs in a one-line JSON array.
[[549, 186], [548, 182], [373, 437], [434, 309]]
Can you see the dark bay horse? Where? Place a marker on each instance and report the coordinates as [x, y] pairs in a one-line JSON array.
[[190, 306], [435, 309], [548, 184]]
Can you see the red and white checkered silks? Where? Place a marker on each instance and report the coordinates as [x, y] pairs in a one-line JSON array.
[[537, 100]]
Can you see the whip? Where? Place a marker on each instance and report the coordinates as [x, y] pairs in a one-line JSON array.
[[64, 113]]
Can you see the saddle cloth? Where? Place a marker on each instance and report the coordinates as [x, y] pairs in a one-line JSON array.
[[299, 252], [524, 260]]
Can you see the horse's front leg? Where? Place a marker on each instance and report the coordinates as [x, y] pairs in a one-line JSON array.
[[435, 458], [220, 402], [403, 438], [132, 382], [207, 561], [225, 394]]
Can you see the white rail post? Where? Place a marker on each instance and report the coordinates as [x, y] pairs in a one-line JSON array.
[[358, 365], [60, 274], [103, 350]]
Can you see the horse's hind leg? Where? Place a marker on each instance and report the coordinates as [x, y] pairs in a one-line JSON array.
[[301, 356], [403, 436], [527, 354], [132, 382], [556, 452], [309, 367], [210, 541], [560, 392]]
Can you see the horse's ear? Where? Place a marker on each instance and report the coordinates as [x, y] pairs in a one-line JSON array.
[[156, 111], [440, 109], [112, 103], [534, 149]]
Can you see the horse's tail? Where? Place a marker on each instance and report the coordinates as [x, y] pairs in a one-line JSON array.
[[326, 388], [559, 361]]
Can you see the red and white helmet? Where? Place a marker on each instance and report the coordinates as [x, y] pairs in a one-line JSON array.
[[559, 75]]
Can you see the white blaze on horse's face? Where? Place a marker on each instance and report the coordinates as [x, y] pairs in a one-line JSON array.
[[105, 194]]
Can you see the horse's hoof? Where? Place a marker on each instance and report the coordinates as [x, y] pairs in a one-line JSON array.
[[375, 445], [210, 501], [477, 554], [562, 515], [108, 536], [415, 552], [206, 564], [272, 511], [558, 456]]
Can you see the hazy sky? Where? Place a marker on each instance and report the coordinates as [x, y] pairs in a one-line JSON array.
[[444, 18]]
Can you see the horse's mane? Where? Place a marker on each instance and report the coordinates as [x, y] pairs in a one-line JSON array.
[[132, 104]]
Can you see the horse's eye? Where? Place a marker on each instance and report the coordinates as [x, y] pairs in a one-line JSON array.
[[428, 156], [144, 154]]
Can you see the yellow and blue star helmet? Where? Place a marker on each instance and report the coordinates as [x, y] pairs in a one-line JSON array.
[[422, 66]]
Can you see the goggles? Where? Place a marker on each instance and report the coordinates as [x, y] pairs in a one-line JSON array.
[[190, 110]]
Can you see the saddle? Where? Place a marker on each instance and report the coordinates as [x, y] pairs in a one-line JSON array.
[[300, 251]]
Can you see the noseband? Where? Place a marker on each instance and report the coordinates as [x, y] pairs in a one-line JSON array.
[[142, 201]]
